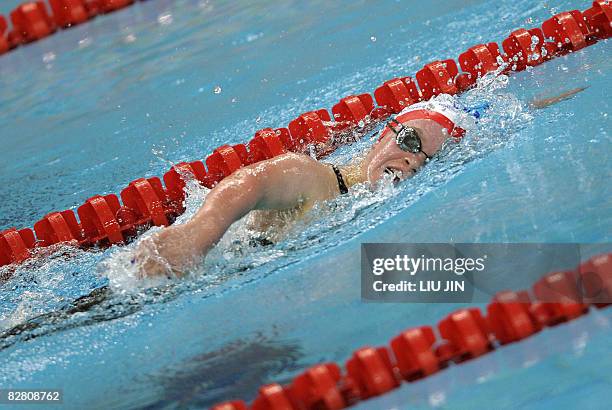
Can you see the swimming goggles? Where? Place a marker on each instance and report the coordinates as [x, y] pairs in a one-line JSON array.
[[406, 138]]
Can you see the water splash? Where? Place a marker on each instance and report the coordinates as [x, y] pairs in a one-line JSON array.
[[50, 280]]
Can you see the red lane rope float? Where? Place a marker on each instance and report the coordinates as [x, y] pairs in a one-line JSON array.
[[465, 334], [35, 20], [105, 221], [31, 22], [69, 13], [15, 245]]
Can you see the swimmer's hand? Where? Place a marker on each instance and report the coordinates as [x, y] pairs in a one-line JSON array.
[[170, 252], [546, 102]]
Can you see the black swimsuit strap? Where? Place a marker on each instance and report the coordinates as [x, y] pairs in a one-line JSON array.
[[341, 185]]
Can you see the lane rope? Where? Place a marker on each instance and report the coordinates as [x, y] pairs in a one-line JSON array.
[[462, 335], [34, 20]]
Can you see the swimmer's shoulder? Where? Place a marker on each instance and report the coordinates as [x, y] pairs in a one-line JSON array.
[[289, 181], [283, 162], [319, 177], [293, 158], [301, 169]]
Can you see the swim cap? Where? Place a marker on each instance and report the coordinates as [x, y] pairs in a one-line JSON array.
[[441, 109]]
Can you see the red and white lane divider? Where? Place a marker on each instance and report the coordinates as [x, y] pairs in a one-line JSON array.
[[34, 20], [107, 220], [465, 334]]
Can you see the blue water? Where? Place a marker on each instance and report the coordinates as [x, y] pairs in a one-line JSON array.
[[94, 107]]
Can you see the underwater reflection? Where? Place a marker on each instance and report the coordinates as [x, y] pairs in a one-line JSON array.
[[235, 370]]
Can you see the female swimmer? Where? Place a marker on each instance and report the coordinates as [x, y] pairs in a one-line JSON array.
[[295, 182]]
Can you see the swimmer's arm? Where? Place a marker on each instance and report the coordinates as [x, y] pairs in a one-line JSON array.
[[546, 102], [179, 248], [284, 182]]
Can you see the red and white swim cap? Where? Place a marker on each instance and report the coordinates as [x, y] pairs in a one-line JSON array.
[[440, 109]]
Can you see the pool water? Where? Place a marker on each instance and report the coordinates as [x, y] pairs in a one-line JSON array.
[[91, 108]]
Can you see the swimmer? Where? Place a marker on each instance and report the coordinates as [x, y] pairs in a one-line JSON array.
[[292, 183]]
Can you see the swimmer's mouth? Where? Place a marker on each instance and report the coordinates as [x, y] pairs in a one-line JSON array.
[[397, 174]]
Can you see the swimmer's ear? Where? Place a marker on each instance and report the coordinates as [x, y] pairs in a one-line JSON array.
[[546, 102]]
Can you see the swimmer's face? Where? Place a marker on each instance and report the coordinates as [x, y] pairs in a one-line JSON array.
[[387, 158]]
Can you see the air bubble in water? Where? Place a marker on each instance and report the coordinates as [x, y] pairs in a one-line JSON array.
[[373, 39], [165, 19], [85, 42], [48, 57], [217, 89], [129, 38]]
